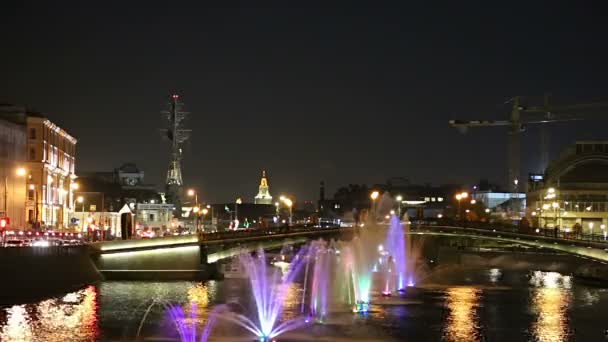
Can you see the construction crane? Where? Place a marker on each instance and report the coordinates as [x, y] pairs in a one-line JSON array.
[[517, 125]]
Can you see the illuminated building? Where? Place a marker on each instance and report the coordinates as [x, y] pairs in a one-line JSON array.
[[49, 168], [263, 196], [573, 191]]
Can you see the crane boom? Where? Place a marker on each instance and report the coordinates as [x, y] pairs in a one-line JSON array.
[[517, 124]]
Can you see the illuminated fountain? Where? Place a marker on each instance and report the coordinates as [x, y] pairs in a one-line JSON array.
[[269, 293], [396, 277], [322, 257], [358, 270]]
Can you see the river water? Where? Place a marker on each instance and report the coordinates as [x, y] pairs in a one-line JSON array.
[[461, 305]]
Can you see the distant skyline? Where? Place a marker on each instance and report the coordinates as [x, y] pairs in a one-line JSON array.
[[345, 92]]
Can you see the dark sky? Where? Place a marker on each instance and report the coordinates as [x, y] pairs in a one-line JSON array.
[[346, 92]]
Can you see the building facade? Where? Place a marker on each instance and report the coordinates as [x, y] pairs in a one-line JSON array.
[[47, 164], [51, 160], [12, 163], [572, 194]]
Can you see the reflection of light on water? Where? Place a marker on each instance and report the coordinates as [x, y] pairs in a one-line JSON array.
[[199, 295], [495, 274], [590, 298], [292, 299], [550, 301], [17, 326], [550, 280], [72, 318], [550, 306], [283, 266], [461, 324]]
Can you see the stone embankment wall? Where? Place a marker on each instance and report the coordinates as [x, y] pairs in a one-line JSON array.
[[31, 273]]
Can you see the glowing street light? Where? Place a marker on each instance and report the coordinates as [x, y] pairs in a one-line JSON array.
[[80, 200], [473, 201], [289, 203], [74, 186], [374, 195], [399, 199], [20, 172], [459, 197], [192, 193]]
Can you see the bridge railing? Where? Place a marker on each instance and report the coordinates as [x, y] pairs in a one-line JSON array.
[[580, 238]]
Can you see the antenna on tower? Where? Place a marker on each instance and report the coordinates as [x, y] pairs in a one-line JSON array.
[[177, 135]]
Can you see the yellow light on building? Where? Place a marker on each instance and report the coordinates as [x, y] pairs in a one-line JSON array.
[[21, 172], [374, 195]]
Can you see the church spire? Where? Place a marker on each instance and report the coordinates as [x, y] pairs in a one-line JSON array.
[[263, 196]]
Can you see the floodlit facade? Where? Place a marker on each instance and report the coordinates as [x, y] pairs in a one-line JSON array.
[[46, 163], [51, 160], [573, 192]]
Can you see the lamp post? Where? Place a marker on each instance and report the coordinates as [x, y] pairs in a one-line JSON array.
[[196, 210], [289, 203], [80, 199], [194, 194], [459, 197], [399, 198], [205, 211], [374, 196]]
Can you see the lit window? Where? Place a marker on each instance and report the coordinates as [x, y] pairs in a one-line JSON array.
[[439, 199], [433, 199], [427, 199]]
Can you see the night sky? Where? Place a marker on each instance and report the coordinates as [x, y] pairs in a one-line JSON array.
[[346, 92]]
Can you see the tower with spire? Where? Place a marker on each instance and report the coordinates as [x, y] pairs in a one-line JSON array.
[[177, 135], [263, 196]]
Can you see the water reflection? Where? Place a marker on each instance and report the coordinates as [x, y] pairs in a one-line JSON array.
[[550, 303], [462, 321], [71, 318]]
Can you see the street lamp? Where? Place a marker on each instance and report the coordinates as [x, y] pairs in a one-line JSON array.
[[191, 193], [80, 199], [289, 203], [374, 196], [204, 211], [399, 199]]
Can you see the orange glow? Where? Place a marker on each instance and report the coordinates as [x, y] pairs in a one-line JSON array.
[[461, 324]]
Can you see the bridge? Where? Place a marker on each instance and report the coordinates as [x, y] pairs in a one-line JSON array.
[[192, 256]]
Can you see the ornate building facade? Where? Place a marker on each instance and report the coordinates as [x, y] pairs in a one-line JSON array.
[[47, 168]]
